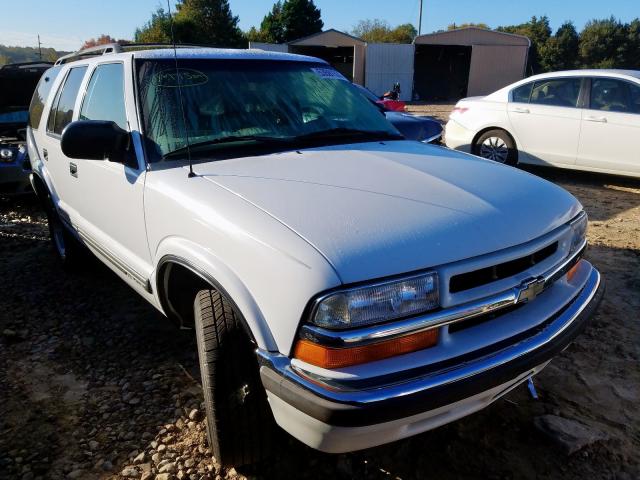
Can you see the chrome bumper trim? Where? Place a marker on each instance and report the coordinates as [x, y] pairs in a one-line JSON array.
[[376, 333], [340, 392]]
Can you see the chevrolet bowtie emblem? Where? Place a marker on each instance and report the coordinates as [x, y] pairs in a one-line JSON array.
[[530, 289]]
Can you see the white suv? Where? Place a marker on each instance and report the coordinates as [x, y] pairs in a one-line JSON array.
[[353, 286]]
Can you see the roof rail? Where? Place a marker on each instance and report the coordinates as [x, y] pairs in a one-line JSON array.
[[119, 48]]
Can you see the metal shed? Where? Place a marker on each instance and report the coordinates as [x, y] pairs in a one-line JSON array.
[[345, 52], [466, 62]]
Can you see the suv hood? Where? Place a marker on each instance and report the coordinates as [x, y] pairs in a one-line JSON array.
[[378, 209]]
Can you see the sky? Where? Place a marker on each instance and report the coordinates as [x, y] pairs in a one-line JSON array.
[[66, 24]]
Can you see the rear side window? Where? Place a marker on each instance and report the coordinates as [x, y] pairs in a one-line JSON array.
[[62, 109], [559, 92], [40, 96], [522, 93], [611, 95], [104, 99]]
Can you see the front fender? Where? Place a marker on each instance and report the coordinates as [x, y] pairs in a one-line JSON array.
[[204, 263]]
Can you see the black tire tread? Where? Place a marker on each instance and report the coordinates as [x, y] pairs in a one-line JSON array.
[[512, 158], [239, 432]]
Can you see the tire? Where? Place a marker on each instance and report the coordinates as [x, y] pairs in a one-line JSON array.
[[68, 250], [240, 425], [496, 145]]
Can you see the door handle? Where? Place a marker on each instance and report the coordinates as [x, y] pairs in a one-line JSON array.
[[596, 119], [521, 110], [45, 154], [73, 169]]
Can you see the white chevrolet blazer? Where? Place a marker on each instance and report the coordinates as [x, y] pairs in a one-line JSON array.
[[348, 285]]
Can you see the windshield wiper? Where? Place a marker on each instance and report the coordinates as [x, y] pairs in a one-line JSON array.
[[229, 139], [349, 132]]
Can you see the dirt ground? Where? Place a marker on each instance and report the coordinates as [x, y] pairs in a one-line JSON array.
[[94, 384]]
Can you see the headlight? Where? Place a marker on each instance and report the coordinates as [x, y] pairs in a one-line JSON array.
[[579, 227], [377, 303], [6, 155]]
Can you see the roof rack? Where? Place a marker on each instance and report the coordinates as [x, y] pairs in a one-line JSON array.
[[109, 48]]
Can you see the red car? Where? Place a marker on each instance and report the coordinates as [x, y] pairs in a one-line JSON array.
[[393, 105]]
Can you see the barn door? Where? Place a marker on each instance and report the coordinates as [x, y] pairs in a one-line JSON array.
[[387, 64]]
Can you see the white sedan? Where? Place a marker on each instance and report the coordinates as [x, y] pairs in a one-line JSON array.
[[582, 119]]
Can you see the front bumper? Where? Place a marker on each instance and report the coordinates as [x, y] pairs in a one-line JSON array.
[[338, 420]]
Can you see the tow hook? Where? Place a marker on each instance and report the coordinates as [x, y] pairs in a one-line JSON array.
[[532, 388]]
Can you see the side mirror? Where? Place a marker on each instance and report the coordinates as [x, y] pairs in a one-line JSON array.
[[95, 140]]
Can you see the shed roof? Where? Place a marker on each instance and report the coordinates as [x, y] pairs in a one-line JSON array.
[[331, 37], [472, 36]]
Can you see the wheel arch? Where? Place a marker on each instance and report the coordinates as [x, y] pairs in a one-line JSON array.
[[484, 130], [179, 278]]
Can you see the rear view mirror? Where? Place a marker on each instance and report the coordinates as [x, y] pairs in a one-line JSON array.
[[95, 140]]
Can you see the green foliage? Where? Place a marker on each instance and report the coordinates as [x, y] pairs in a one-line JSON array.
[[606, 43], [300, 18], [208, 22], [272, 28], [156, 30], [379, 31], [539, 32], [603, 44], [560, 52], [288, 20], [453, 26], [27, 54]]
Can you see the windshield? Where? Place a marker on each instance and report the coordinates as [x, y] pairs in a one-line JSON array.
[[254, 102]]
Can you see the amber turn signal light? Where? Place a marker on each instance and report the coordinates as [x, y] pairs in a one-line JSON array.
[[572, 271], [327, 357]]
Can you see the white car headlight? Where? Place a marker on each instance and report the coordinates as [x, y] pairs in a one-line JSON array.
[[377, 303], [579, 227]]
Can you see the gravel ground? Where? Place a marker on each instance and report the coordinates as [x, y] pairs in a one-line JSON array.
[[95, 384]]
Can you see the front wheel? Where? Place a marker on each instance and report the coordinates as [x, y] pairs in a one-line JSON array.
[[496, 145], [239, 420]]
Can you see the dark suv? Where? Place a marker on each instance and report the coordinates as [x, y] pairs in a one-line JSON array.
[[17, 83]]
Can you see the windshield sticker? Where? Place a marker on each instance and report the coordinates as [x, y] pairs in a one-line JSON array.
[[330, 73], [183, 77]]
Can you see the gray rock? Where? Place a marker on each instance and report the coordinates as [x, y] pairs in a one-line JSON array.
[[107, 466], [168, 467], [146, 476], [161, 448], [93, 445], [569, 435], [194, 414], [164, 476], [130, 472], [75, 474], [156, 457], [140, 458]]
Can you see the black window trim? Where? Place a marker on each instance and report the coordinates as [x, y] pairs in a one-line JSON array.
[[56, 99], [587, 104]]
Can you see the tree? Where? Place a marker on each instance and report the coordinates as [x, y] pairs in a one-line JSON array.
[[539, 32], [561, 51], [631, 50], [300, 18], [453, 26], [272, 28], [103, 40], [156, 30], [4, 60], [209, 22], [603, 44], [379, 31]]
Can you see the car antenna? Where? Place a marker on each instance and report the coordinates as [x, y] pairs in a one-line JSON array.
[[179, 80]]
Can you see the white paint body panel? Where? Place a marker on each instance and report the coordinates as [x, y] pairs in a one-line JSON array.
[[554, 136]]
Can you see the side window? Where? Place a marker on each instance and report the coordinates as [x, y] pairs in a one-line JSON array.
[[614, 96], [559, 92], [62, 109], [104, 99], [522, 93], [40, 96]]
